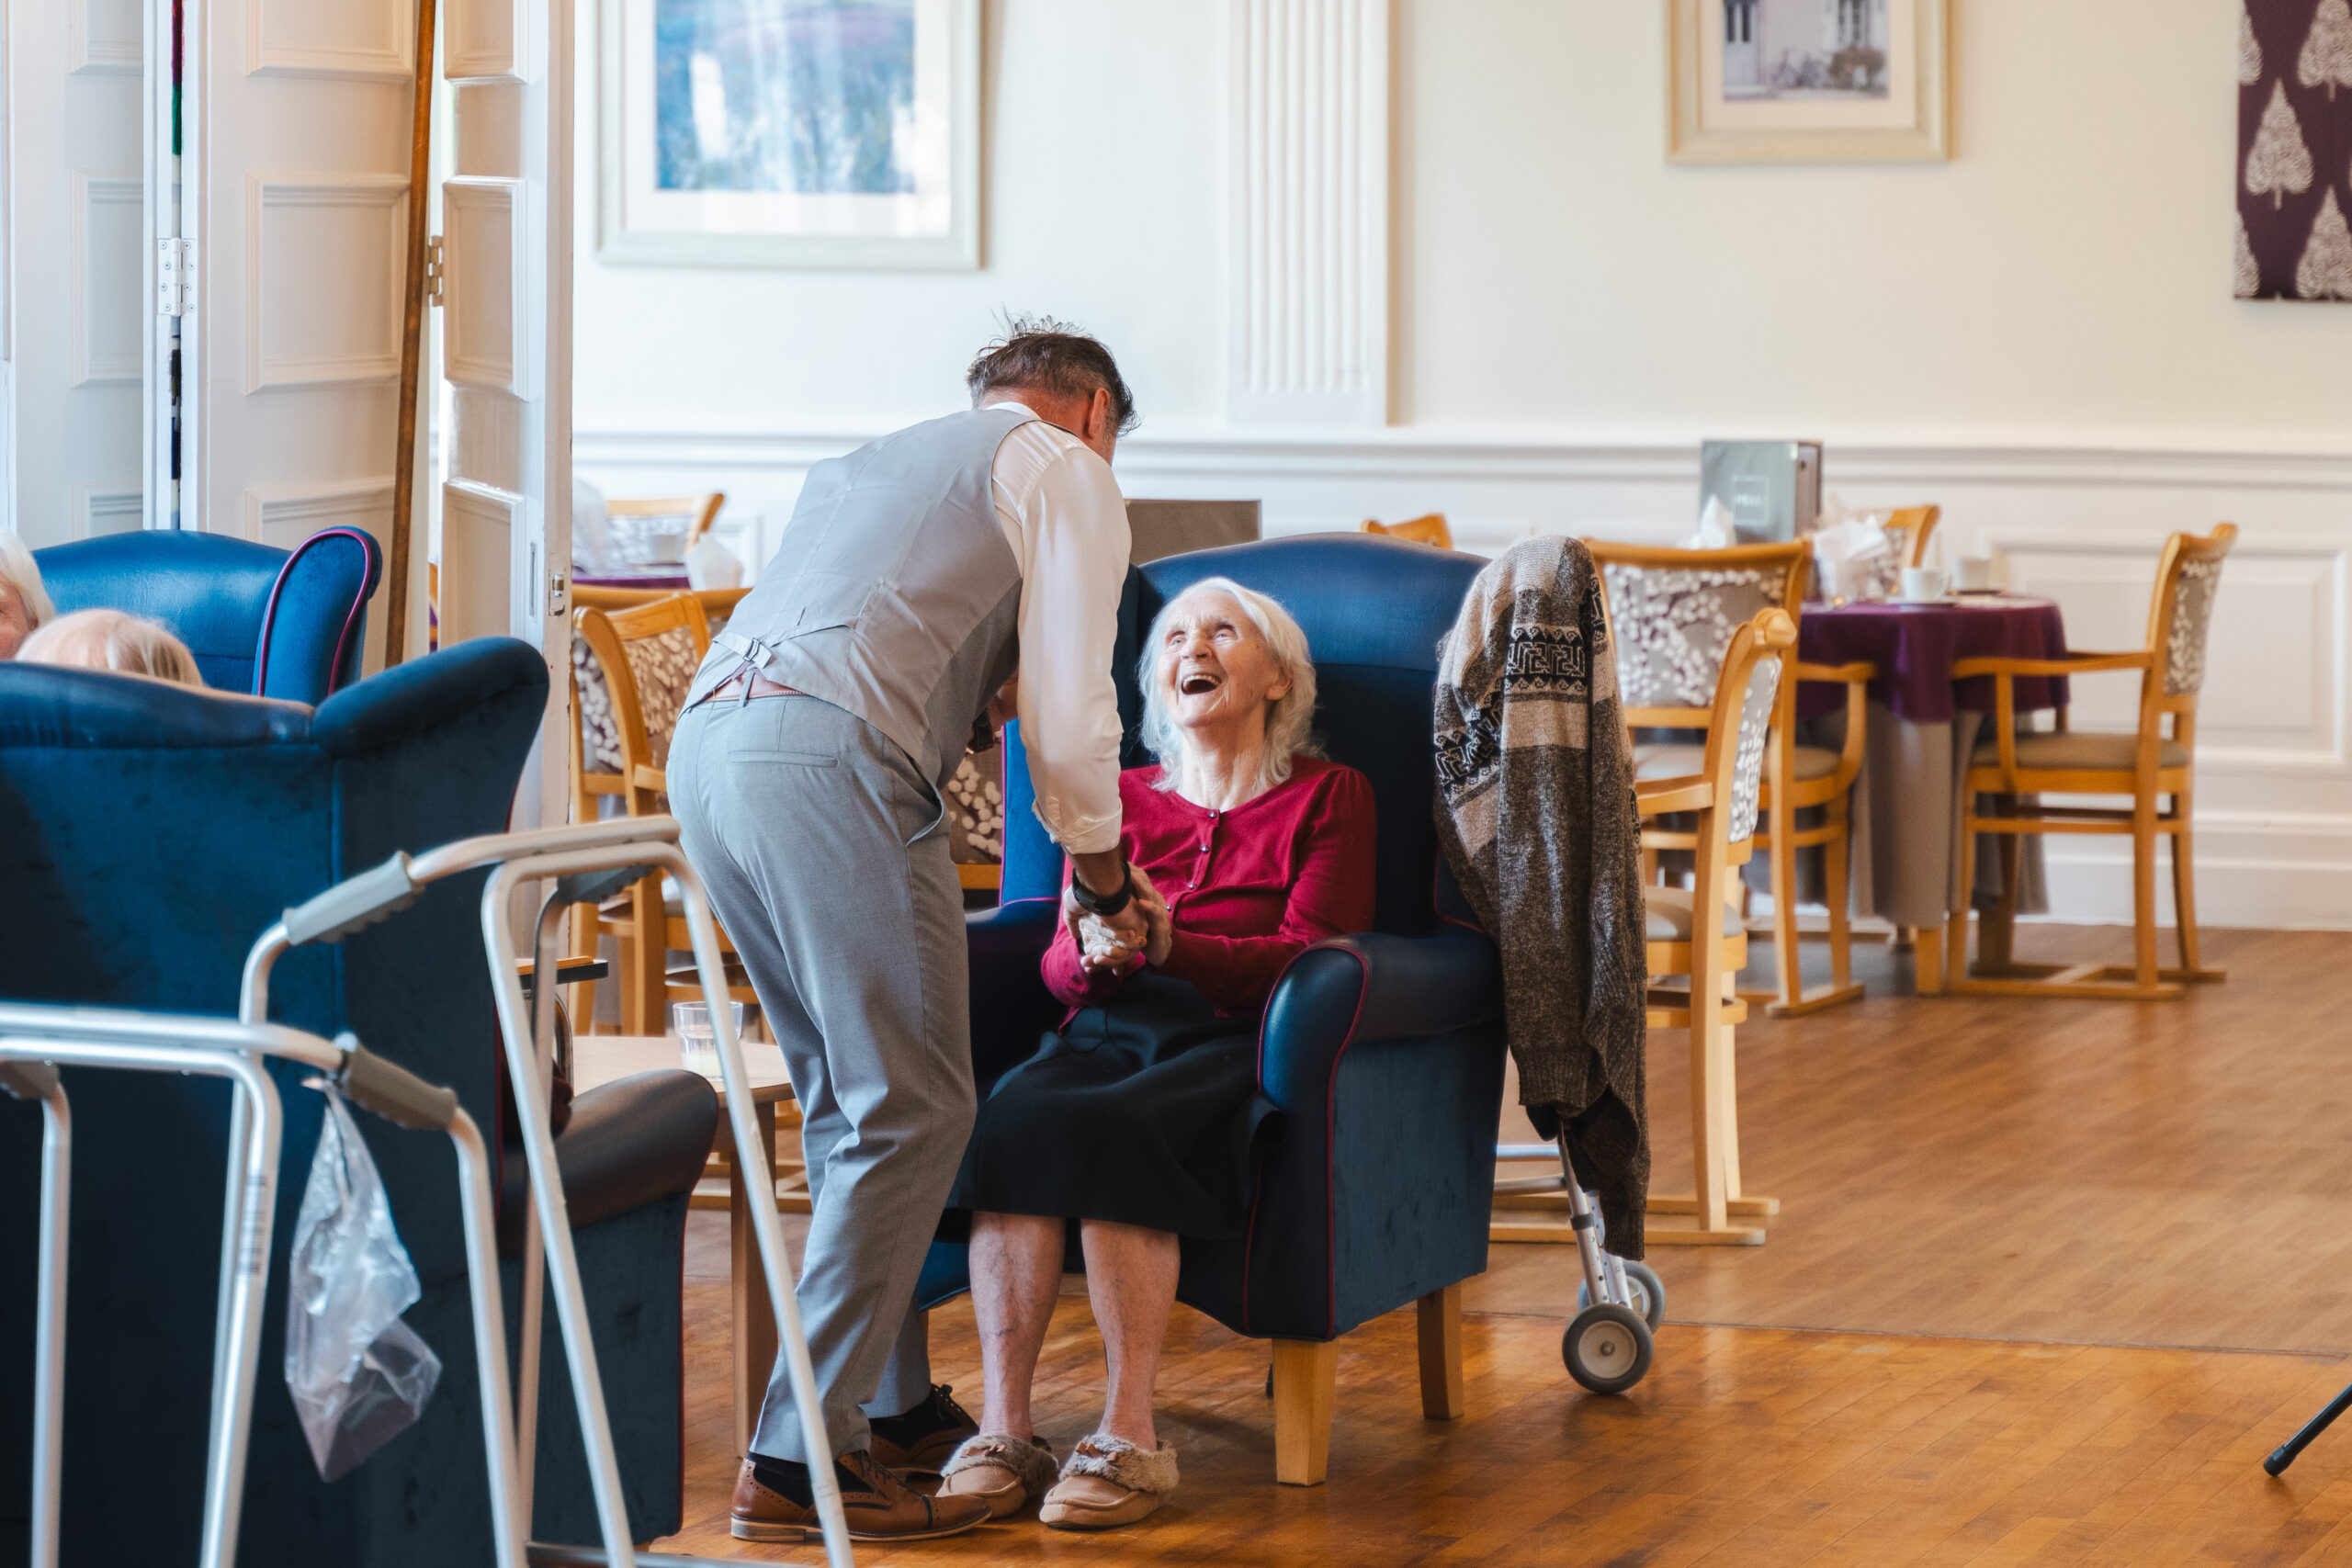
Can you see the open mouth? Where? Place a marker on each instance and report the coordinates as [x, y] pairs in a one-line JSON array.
[[1198, 684]]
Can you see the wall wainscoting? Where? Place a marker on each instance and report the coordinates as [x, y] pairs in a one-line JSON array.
[[2078, 518]]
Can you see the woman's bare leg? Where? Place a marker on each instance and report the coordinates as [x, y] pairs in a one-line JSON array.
[[1016, 1269], [1131, 1279]]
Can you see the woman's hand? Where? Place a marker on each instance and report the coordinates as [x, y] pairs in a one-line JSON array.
[[1159, 929]]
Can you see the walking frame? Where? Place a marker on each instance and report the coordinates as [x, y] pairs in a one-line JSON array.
[[586, 862]]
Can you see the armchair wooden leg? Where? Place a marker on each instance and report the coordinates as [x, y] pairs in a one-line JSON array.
[[2144, 892], [1306, 1373], [644, 958], [1785, 956], [1439, 1314]]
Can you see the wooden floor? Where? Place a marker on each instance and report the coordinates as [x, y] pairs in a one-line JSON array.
[[2050, 1279]]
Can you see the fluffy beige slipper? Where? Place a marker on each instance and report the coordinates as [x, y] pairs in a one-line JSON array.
[[1109, 1482], [1002, 1470]]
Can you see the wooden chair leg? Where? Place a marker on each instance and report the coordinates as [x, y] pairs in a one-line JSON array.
[[644, 958], [1955, 953], [1837, 868], [1707, 974], [1439, 1316], [1785, 956], [2143, 891], [579, 1000], [1306, 1372]]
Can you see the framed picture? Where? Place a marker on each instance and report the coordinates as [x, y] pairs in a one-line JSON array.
[[814, 133], [1807, 81]]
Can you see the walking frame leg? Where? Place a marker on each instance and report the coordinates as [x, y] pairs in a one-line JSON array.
[[27, 1082]]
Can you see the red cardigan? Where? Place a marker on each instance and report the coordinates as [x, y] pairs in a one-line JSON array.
[[1247, 889]]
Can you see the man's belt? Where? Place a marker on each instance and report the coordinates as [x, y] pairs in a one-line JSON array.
[[732, 687]]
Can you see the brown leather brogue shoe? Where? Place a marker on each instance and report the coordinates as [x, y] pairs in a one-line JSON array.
[[880, 1507], [921, 1440]]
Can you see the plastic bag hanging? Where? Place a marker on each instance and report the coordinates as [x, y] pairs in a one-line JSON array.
[[358, 1373]]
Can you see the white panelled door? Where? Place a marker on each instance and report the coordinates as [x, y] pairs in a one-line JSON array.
[[78, 312], [297, 169], [506, 341]]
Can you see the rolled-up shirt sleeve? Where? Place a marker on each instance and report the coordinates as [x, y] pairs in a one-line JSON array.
[[1075, 527]]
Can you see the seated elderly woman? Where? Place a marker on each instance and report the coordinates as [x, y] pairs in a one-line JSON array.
[[24, 602], [1141, 1117], [114, 640]]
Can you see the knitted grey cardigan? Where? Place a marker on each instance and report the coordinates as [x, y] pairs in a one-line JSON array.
[[1535, 809]]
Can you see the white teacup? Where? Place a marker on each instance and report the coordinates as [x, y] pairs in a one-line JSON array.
[[1975, 574], [1921, 583]]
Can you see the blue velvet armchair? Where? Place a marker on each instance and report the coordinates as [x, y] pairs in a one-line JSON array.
[[1384, 1047], [148, 833], [268, 622]]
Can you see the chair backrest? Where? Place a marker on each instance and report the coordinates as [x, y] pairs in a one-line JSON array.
[[1916, 524], [2181, 616], [697, 511], [630, 669], [1373, 611], [148, 833], [268, 622], [1672, 615], [1427, 529], [1746, 693]]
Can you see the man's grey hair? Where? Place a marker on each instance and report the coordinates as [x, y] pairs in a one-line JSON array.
[[1038, 352], [1290, 721], [18, 571]]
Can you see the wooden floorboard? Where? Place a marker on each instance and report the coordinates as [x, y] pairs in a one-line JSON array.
[[2049, 1280]]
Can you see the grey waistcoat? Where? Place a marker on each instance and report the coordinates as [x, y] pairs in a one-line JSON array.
[[894, 594]]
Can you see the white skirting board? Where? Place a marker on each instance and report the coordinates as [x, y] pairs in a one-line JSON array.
[[2076, 515]]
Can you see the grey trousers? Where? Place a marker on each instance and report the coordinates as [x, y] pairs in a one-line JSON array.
[[825, 853]]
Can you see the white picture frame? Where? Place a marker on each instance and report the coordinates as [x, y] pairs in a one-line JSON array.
[[1777, 82], [652, 212]]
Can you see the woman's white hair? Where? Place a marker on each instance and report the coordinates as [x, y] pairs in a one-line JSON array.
[[21, 572], [1290, 719]]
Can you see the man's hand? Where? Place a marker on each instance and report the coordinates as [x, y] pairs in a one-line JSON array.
[[1101, 874]]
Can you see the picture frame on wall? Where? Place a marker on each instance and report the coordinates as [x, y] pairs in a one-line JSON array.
[[1808, 81], [790, 133]]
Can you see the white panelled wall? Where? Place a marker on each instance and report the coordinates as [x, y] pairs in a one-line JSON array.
[[2038, 335]]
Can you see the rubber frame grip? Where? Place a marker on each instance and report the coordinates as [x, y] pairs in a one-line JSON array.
[[353, 903], [377, 1084], [29, 1080]]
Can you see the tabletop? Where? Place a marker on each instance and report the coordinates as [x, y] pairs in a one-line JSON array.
[[1915, 644], [598, 1059]]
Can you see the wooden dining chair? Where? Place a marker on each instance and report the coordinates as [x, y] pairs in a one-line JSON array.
[[1430, 529], [2149, 763], [630, 671], [1672, 613], [1916, 524]]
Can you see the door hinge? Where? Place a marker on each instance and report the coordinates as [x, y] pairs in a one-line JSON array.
[[174, 277], [432, 270]]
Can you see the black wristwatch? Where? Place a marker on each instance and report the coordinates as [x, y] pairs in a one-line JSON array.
[[1102, 906]]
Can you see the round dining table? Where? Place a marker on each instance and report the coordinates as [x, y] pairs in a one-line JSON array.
[[1922, 728]]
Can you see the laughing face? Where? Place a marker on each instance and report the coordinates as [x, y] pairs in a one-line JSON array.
[[1217, 675]]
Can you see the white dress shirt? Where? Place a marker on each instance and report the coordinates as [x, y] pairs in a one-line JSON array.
[[1067, 523]]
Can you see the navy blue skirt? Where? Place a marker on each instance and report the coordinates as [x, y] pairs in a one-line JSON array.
[[1144, 1111]]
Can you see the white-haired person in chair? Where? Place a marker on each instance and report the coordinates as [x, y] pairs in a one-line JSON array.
[[1141, 1117], [24, 602]]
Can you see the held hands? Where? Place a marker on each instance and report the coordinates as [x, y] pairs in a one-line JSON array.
[[1117, 944]]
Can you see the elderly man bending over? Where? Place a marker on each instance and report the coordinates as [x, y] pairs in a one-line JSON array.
[[1141, 1117]]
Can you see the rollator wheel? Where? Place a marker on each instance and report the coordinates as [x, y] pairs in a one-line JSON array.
[[1649, 1293], [1606, 1347]]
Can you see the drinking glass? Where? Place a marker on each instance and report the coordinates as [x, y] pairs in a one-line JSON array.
[[698, 1043]]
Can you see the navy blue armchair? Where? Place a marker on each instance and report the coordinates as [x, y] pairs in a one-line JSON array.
[[1385, 1047], [148, 833], [268, 622]]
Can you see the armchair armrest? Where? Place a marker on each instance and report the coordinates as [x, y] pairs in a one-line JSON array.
[[1010, 1006], [2073, 664], [1655, 797], [1368, 987], [1860, 671], [1856, 677]]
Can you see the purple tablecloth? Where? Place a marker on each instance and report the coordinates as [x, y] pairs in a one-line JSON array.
[[1914, 646], [656, 577]]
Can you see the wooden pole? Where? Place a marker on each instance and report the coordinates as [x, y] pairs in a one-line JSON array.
[[420, 192]]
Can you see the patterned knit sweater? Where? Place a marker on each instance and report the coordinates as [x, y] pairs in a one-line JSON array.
[[1535, 809]]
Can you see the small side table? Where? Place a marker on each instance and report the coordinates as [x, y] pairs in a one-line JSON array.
[[603, 1058]]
